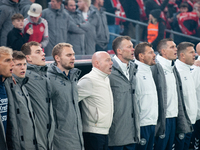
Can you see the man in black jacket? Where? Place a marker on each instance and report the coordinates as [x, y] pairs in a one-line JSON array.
[[16, 38]]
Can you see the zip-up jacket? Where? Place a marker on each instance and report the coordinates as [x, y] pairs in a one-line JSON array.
[[97, 102], [21, 129], [103, 34], [59, 22], [91, 28], [68, 131], [39, 90], [183, 124], [125, 127]]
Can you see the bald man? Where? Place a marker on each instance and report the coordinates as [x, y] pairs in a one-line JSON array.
[[97, 102]]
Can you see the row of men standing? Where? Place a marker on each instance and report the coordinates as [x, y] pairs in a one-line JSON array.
[[124, 104], [55, 24]]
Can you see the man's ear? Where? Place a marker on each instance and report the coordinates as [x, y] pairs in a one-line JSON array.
[[141, 56], [28, 58], [119, 51], [57, 58]]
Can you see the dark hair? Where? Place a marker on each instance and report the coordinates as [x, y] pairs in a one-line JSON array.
[[183, 46], [59, 1], [117, 42], [18, 55], [93, 1], [140, 48], [26, 48], [162, 44], [17, 16], [183, 5]]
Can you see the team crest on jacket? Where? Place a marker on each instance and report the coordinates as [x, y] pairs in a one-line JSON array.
[[162, 136], [41, 29], [143, 141], [181, 136]]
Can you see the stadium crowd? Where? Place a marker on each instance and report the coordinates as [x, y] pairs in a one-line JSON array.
[[136, 100]]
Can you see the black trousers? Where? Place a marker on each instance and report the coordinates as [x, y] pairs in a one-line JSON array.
[[93, 141]]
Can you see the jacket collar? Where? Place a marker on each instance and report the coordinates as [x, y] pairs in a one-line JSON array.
[[142, 66], [165, 63], [122, 65], [100, 73], [39, 69], [182, 65], [20, 81], [73, 73]]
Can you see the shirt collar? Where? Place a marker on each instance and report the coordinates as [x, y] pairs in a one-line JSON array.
[[122, 65]]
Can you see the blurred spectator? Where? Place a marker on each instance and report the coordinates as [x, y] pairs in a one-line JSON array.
[[59, 23], [103, 35], [25, 6], [156, 28], [185, 22], [155, 4], [90, 24], [16, 38], [78, 44], [38, 24], [7, 9], [114, 7], [131, 7]]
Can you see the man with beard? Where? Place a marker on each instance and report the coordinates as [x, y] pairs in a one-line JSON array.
[[39, 90], [146, 95], [64, 77]]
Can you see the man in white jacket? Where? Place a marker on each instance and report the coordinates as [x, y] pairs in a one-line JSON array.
[[146, 95], [97, 102], [186, 58]]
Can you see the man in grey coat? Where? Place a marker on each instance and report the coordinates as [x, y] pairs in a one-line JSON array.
[[103, 34], [7, 9], [63, 77], [172, 117], [125, 130], [59, 23], [90, 25], [78, 44], [39, 90], [21, 130], [25, 6]]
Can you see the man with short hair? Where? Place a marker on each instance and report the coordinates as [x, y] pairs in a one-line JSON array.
[[70, 5], [186, 58], [59, 23], [146, 95], [7, 9], [63, 78], [6, 66], [96, 102], [78, 44], [39, 89], [125, 130], [90, 24], [21, 130], [38, 24], [103, 35], [172, 117]]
